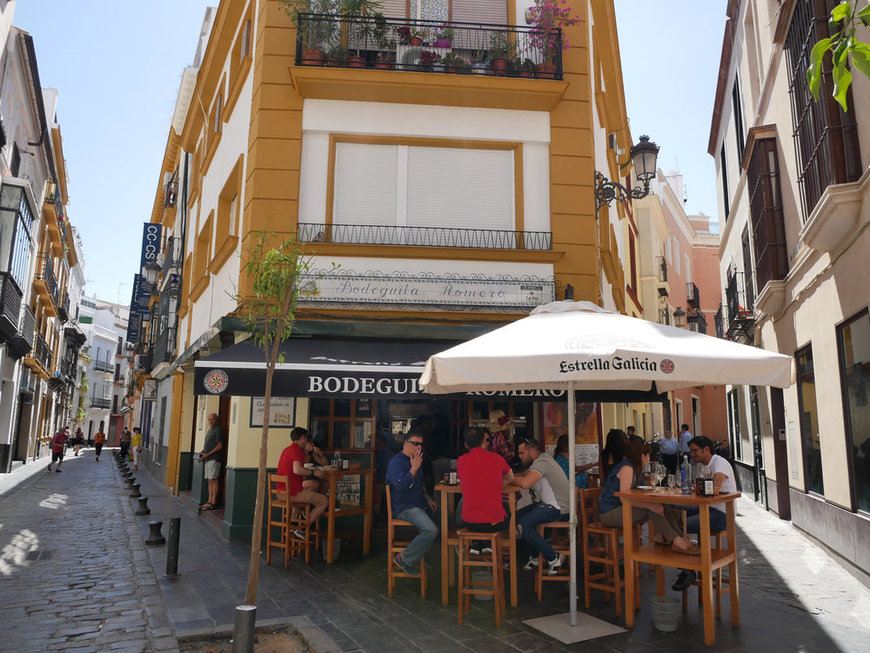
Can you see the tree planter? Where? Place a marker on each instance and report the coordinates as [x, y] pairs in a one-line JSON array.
[[385, 64], [313, 57]]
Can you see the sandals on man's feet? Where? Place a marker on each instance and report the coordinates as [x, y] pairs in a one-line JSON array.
[[207, 506]]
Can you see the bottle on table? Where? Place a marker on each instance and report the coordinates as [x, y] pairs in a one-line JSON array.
[[686, 476]]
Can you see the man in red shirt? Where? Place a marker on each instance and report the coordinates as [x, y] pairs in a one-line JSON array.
[[292, 465], [58, 442], [482, 475]]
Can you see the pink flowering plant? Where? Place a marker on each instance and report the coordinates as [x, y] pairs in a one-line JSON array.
[[548, 18]]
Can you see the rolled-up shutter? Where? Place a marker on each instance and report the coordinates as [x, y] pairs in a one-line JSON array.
[[365, 184], [479, 11], [395, 8]]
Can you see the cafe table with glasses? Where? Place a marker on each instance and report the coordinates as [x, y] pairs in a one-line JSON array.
[[336, 509], [448, 493], [661, 555]]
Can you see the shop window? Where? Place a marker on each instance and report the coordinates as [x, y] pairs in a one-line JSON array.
[[854, 343], [809, 420], [337, 424]]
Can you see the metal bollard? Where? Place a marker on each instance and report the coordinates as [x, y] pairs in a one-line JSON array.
[[172, 549], [143, 508], [135, 493], [244, 628], [155, 537]]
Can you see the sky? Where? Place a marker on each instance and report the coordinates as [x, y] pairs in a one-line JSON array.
[[117, 66]]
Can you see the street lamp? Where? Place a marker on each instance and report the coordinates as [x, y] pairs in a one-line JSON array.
[[643, 156], [680, 318], [150, 271]]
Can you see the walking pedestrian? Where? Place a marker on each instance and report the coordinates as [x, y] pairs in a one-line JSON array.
[[99, 439], [78, 440], [136, 446], [124, 443], [58, 442]]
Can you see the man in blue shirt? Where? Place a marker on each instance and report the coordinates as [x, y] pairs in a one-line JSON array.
[[685, 436], [669, 447], [410, 502]]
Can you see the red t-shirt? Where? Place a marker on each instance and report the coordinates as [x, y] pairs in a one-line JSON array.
[[481, 475], [285, 467], [58, 441]]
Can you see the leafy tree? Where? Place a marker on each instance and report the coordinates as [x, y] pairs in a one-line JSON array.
[[846, 50], [274, 274]]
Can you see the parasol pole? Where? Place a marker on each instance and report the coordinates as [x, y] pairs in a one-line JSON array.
[[572, 497]]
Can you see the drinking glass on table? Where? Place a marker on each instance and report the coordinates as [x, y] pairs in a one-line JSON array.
[[672, 481]]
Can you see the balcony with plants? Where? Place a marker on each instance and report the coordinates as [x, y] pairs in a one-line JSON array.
[[10, 306], [22, 342], [739, 318], [335, 37], [39, 359]]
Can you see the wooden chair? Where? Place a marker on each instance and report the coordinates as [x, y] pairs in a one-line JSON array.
[[560, 541], [601, 546], [395, 546], [284, 516], [721, 584], [492, 562]]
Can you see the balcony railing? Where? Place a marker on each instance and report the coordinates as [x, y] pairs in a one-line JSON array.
[[22, 342], [662, 269], [423, 236], [739, 305], [10, 306], [428, 46], [68, 368], [170, 195], [164, 347], [101, 402], [45, 274], [693, 295], [63, 307], [720, 322], [42, 352], [103, 366]]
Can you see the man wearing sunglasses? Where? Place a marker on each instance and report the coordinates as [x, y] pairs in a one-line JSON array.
[[411, 502]]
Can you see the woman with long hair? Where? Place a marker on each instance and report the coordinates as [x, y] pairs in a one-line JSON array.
[[624, 476], [615, 447]]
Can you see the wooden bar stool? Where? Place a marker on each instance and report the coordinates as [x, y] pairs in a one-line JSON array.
[[560, 534], [395, 546], [284, 516], [601, 547], [492, 562], [721, 584]]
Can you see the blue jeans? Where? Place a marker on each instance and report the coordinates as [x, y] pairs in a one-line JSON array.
[[420, 544], [529, 518], [718, 522]]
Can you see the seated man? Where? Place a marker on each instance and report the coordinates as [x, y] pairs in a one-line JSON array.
[[553, 505], [292, 464], [482, 475], [701, 449], [410, 502]]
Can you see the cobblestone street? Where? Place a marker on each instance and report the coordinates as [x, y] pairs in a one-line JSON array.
[[75, 575]]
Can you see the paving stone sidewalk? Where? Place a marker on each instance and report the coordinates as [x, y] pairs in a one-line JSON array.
[[74, 575]]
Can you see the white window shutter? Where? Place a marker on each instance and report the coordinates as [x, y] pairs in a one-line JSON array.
[[395, 8], [480, 11], [365, 184]]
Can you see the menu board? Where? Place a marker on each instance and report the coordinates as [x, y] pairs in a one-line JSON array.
[[282, 412]]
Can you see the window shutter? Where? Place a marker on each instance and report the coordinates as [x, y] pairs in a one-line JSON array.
[[480, 11], [365, 184], [395, 8], [460, 188]]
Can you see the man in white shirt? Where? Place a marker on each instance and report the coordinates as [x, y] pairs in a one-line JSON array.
[[685, 436], [711, 464]]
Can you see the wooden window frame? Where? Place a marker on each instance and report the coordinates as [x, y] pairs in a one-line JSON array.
[[201, 258], [227, 225]]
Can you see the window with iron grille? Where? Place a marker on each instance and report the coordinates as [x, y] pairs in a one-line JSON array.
[[825, 137]]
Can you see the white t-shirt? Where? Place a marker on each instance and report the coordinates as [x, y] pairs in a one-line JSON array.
[[718, 465]]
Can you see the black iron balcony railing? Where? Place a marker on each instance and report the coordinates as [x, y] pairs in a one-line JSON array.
[[664, 316], [693, 296], [68, 368], [367, 234], [164, 347], [143, 361], [63, 307], [170, 195], [45, 273], [42, 352], [172, 256], [21, 343], [10, 306], [428, 46], [101, 402], [739, 305], [662, 269], [720, 322], [103, 366]]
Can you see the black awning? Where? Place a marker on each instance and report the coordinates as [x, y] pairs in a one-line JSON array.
[[319, 367], [324, 367]]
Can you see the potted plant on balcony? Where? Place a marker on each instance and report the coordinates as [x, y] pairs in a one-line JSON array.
[[443, 36], [453, 63], [386, 57], [428, 59], [338, 56], [319, 31], [361, 21], [499, 51], [549, 18]]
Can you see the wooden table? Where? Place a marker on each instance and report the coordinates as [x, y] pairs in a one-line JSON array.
[[332, 477], [662, 555], [450, 538]]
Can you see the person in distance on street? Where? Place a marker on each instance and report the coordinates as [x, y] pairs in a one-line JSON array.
[[212, 457], [624, 476], [136, 445], [669, 446], [58, 442], [701, 449], [99, 440], [411, 502]]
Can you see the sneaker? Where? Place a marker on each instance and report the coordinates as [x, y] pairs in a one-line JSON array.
[[299, 534], [408, 569], [684, 580], [553, 567], [58, 470], [49, 468], [487, 550], [531, 564]]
